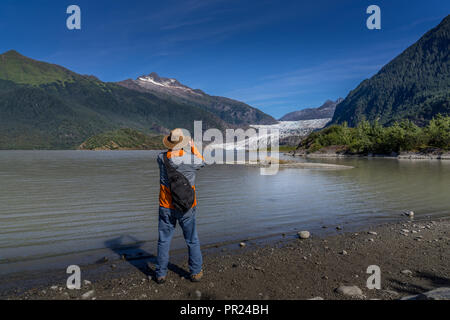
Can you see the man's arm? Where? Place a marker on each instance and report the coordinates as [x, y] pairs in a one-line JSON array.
[[198, 161]]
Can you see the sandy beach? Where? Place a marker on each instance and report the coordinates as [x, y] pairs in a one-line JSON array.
[[413, 257]]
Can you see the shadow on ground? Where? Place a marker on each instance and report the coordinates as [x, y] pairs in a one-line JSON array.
[[130, 250], [432, 281]]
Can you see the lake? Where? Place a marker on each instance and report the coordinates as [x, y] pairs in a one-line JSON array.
[[56, 204]]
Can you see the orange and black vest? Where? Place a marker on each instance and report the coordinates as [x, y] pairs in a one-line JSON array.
[[184, 162]]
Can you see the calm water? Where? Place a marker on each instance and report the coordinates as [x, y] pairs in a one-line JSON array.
[[54, 204]]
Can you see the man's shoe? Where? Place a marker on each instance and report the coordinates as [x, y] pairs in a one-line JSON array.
[[197, 277], [160, 280]]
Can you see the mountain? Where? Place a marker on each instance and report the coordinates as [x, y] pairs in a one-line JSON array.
[[46, 106], [325, 111], [231, 111], [415, 85], [20, 69]]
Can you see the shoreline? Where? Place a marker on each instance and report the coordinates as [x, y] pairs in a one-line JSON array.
[[406, 156], [411, 262]]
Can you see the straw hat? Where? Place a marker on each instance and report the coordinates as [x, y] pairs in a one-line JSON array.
[[176, 139]]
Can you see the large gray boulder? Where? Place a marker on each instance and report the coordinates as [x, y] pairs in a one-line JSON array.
[[436, 294]]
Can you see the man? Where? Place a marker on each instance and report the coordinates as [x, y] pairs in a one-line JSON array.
[[186, 163]]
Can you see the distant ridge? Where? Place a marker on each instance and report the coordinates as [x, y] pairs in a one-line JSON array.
[[231, 111], [325, 111]]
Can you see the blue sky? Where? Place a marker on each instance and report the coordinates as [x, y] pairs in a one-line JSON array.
[[278, 56]]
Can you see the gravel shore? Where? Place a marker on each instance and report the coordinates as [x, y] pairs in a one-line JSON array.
[[413, 257]]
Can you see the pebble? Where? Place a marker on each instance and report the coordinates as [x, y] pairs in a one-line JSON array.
[[372, 233], [338, 228], [409, 213], [316, 298], [405, 230], [407, 272], [54, 287], [198, 294], [349, 291], [343, 252], [304, 234], [87, 282], [371, 240], [88, 295], [242, 244]]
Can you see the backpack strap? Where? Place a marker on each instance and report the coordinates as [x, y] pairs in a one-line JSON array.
[[169, 167]]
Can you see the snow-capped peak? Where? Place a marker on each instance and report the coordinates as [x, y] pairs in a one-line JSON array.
[[167, 83]]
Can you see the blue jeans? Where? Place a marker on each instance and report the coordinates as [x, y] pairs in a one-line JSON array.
[[167, 222]]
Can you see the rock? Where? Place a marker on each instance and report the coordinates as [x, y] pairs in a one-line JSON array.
[[409, 213], [352, 291], [338, 228], [242, 244], [436, 294], [304, 234], [87, 282], [54, 287], [198, 294], [405, 230], [88, 295], [371, 240], [316, 298], [102, 260], [343, 252], [113, 266], [407, 272], [372, 233]]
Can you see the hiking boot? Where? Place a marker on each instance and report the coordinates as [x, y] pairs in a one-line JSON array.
[[197, 277], [160, 280]]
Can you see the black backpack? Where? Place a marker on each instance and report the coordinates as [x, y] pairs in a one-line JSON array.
[[183, 195]]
